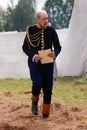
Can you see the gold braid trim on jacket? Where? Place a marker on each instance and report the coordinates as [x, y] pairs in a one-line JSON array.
[[33, 38]]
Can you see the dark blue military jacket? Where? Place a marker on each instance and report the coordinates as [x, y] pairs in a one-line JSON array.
[[40, 39]]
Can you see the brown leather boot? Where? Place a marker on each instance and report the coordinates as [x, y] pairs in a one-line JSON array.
[[46, 110], [34, 108]]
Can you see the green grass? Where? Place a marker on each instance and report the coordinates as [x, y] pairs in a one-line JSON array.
[[14, 85], [72, 90]]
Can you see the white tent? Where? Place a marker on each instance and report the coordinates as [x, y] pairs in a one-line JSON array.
[[73, 59]]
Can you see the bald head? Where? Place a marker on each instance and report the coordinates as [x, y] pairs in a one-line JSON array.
[[42, 18], [40, 13]]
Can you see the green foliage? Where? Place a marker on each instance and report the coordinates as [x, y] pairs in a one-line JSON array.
[[19, 16], [9, 19], [2, 16], [24, 15], [59, 12]]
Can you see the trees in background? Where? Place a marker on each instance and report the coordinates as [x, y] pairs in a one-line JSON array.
[[59, 12], [19, 16], [2, 14], [24, 14]]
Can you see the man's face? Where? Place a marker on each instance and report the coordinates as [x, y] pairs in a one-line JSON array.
[[43, 20]]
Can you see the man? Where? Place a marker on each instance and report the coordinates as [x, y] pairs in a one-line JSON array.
[[41, 37]]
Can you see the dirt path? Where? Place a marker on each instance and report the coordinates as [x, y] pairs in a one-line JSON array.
[[16, 115]]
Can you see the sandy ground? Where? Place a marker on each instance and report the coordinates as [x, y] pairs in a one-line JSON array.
[[15, 114]]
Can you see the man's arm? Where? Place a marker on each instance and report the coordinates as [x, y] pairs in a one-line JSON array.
[[30, 52], [56, 42]]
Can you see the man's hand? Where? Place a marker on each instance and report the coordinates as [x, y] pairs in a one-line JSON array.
[[37, 58], [51, 54]]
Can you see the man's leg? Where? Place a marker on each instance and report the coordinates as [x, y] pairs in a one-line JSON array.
[[34, 108], [47, 91], [36, 86]]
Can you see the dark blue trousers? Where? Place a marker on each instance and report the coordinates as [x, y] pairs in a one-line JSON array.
[[42, 78]]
